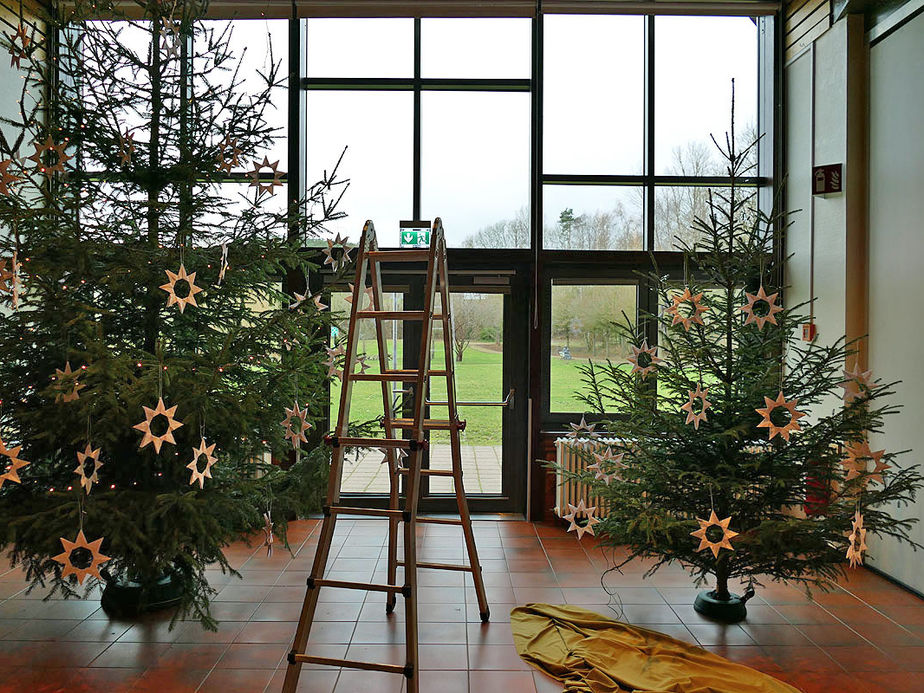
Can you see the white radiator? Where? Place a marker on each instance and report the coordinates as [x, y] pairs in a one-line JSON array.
[[575, 456]]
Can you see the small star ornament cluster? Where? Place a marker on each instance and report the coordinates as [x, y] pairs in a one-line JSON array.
[[578, 512], [19, 46], [755, 299], [97, 559], [6, 178]]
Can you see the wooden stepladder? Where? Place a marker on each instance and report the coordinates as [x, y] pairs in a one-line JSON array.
[[401, 434]]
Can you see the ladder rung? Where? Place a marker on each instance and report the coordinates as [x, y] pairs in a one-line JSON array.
[[428, 424], [396, 314], [396, 376], [428, 472], [440, 520], [376, 443], [370, 586], [399, 255], [371, 512], [442, 566], [350, 664]]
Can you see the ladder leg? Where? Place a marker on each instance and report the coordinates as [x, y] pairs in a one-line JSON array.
[[394, 481], [410, 572], [467, 531]]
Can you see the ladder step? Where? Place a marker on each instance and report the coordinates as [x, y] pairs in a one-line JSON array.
[[396, 314], [443, 566], [371, 512], [440, 521], [429, 424], [402, 443], [370, 586], [399, 255], [397, 376], [429, 472], [349, 664]]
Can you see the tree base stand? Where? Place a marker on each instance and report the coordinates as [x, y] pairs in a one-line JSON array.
[[122, 597], [727, 611]]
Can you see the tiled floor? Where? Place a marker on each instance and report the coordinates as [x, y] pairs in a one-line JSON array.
[[865, 636]]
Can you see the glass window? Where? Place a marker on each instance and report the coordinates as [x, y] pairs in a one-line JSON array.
[[594, 94], [377, 129], [476, 48], [677, 208], [593, 217], [360, 47], [582, 329], [695, 60], [475, 163]]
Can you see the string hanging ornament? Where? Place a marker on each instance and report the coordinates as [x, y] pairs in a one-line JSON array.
[[265, 185], [857, 383], [67, 384], [724, 542], [787, 429], [10, 463], [83, 459], [578, 512], [145, 426], [229, 154], [644, 355], [19, 45], [7, 179], [690, 303], [41, 159], [696, 417], [336, 260], [605, 460], [753, 300], [856, 541], [203, 451], [170, 287]]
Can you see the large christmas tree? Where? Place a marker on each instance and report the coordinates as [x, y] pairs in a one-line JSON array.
[[148, 351], [735, 431]]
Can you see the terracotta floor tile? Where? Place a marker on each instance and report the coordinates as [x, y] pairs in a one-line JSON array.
[[354, 681], [833, 634], [442, 633], [505, 681], [384, 632], [140, 655], [893, 682], [708, 634], [546, 684], [443, 657], [253, 656], [909, 658], [308, 682], [802, 659], [825, 682], [776, 635], [173, 680], [861, 658], [888, 635], [236, 680], [190, 656], [44, 629], [643, 614], [805, 614], [490, 634], [495, 657], [764, 614], [445, 682]]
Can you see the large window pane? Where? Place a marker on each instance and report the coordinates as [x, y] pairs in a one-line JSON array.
[[475, 165], [592, 217], [582, 330], [695, 60], [677, 209], [594, 94], [476, 48], [377, 129], [360, 47]]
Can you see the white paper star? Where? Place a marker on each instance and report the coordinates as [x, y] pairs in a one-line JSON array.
[[575, 512]]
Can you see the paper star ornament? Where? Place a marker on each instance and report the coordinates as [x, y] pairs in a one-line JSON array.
[[856, 383], [96, 557], [265, 186], [268, 533], [145, 426], [67, 385], [644, 359], [695, 417], [88, 455], [856, 541], [336, 262], [19, 46], [299, 300], [605, 460], [714, 546], [60, 157], [581, 429], [296, 425], [577, 512], [205, 451], [794, 416], [687, 309], [6, 178], [316, 299], [224, 266], [170, 287], [753, 300], [332, 362], [126, 148], [857, 463], [229, 154], [12, 464]]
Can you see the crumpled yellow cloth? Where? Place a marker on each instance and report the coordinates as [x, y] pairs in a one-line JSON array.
[[589, 653]]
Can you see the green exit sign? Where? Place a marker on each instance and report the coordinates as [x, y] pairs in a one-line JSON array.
[[414, 234]]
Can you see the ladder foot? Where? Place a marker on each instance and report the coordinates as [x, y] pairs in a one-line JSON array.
[[390, 606], [486, 616]]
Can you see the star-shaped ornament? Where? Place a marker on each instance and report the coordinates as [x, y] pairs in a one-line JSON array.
[[268, 533], [88, 455], [299, 300], [794, 416], [687, 309], [316, 299], [580, 429], [263, 186], [229, 154], [607, 459], [754, 300], [172, 41], [6, 277], [714, 546], [644, 359], [223, 266], [170, 287], [577, 512], [145, 426], [399, 455], [12, 464], [857, 383], [369, 295], [19, 46], [332, 363], [60, 156], [6, 178], [203, 451], [67, 385], [695, 417], [362, 362], [856, 541], [126, 148], [96, 558], [16, 283], [296, 425], [336, 262], [857, 463]]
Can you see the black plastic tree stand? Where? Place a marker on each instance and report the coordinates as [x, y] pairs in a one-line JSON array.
[[123, 597], [731, 610]]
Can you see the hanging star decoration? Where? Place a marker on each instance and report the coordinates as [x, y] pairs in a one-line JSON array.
[[229, 154], [61, 157], [856, 541], [362, 362], [170, 33], [126, 147], [170, 287], [607, 459], [857, 463], [296, 425], [791, 425], [6, 277], [16, 282], [67, 385], [257, 182], [316, 299], [857, 383], [581, 429], [19, 46], [95, 562], [399, 455], [12, 464], [223, 266], [714, 546], [336, 262], [88, 455], [206, 451], [299, 300], [695, 417], [644, 359], [577, 512], [268, 533], [145, 426], [693, 305], [369, 296], [6, 178], [333, 366], [756, 299]]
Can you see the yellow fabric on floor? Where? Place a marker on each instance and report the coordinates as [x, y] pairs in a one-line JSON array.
[[589, 653]]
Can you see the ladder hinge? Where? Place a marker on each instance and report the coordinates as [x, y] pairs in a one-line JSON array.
[[326, 510], [333, 441], [406, 591], [408, 671], [414, 445], [291, 657], [310, 583], [406, 516], [461, 425]]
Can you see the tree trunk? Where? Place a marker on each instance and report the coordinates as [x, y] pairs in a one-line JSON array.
[[721, 584]]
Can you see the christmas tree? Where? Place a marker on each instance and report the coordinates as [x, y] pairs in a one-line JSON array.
[[734, 431], [148, 350]]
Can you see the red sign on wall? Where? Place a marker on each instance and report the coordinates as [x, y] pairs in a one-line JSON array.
[[827, 179]]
